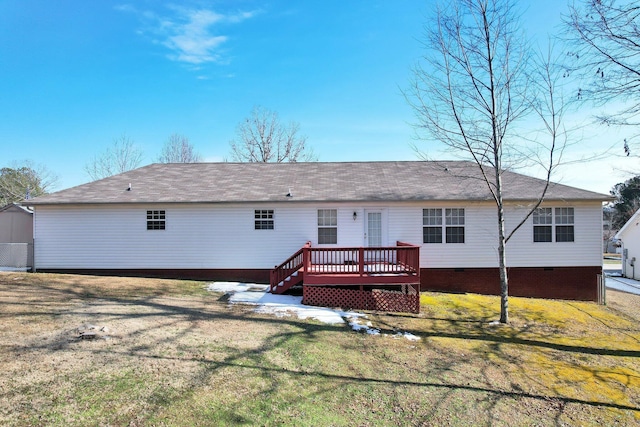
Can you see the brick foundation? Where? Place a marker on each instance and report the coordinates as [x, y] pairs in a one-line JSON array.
[[231, 275], [573, 283]]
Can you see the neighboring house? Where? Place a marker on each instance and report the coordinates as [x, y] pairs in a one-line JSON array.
[[629, 235], [16, 237], [16, 224], [236, 221]]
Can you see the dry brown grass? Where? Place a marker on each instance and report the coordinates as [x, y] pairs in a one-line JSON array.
[[174, 354]]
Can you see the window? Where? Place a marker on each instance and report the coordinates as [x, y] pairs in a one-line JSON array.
[[546, 219], [155, 220], [327, 226], [454, 217], [564, 224], [432, 225], [432, 230], [263, 219], [542, 225]]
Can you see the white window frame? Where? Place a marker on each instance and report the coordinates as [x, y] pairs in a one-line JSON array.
[[329, 222], [448, 221], [264, 219], [555, 219], [156, 219], [543, 220]]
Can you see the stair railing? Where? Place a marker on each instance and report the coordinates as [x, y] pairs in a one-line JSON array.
[[294, 263]]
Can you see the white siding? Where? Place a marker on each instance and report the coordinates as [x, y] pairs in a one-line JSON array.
[[481, 249], [585, 250], [216, 236], [631, 243]]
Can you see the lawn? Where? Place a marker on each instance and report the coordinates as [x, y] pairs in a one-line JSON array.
[[171, 353]]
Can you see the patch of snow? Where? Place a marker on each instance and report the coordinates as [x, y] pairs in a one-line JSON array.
[[411, 337], [283, 305], [494, 323], [235, 287], [354, 323], [287, 305]]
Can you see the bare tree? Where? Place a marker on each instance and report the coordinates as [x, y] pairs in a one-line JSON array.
[[478, 81], [178, 149], [262, 138], [605, 38], [122, 156], [24, 181]]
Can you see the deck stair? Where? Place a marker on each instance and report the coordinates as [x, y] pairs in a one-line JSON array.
[[378, 278], [288, 274]]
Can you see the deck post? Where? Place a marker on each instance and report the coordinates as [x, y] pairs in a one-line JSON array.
[[306, 259], [361, 261]]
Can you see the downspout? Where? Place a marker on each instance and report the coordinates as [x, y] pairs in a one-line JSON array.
[[33, 241]]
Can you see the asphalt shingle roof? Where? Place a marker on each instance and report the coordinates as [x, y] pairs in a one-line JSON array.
[[308, 182]]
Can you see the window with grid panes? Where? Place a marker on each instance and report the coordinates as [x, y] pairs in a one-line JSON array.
[[433, 222], [263, 219], [542, 225], [550, 221], [432, 225], [564, 225], [156, 220], [454, 221], [327, 226]]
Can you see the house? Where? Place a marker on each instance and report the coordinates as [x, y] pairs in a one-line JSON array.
[[16, 236], [236, 221], [629, 235]]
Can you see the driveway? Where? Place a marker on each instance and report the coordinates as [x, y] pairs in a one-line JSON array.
[[614, 280]]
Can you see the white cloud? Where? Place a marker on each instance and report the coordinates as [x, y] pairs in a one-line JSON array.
[[191, 35]]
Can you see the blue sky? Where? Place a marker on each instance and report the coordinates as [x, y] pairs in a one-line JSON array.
[[75, 75]]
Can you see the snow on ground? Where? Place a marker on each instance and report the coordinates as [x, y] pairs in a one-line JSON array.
[[287, 305]]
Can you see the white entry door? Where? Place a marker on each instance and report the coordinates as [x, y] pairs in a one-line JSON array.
[[374, 229]]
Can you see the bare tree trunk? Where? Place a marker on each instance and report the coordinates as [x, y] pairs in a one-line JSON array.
[[502, 255], [480, 78]]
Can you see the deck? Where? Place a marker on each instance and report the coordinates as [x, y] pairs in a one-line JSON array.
[[359, 277]]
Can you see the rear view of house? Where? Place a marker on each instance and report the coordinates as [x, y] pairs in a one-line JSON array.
[[236, 221]]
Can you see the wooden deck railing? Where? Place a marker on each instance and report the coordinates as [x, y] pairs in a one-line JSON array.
[[401, 259], [398, 264], [293, 264], [388, 278]]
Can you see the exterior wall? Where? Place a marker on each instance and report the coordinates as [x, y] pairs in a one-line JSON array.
[[630, 237], [222, 237], [576, 283], [16, 226], [196, 236], [480, 249]]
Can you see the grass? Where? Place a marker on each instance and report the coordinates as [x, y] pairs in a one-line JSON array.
[[175, 354]]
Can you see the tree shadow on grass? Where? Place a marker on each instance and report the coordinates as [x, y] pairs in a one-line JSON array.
[[291, 344]]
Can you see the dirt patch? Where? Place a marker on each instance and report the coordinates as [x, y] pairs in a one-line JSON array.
[[624, 303]]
